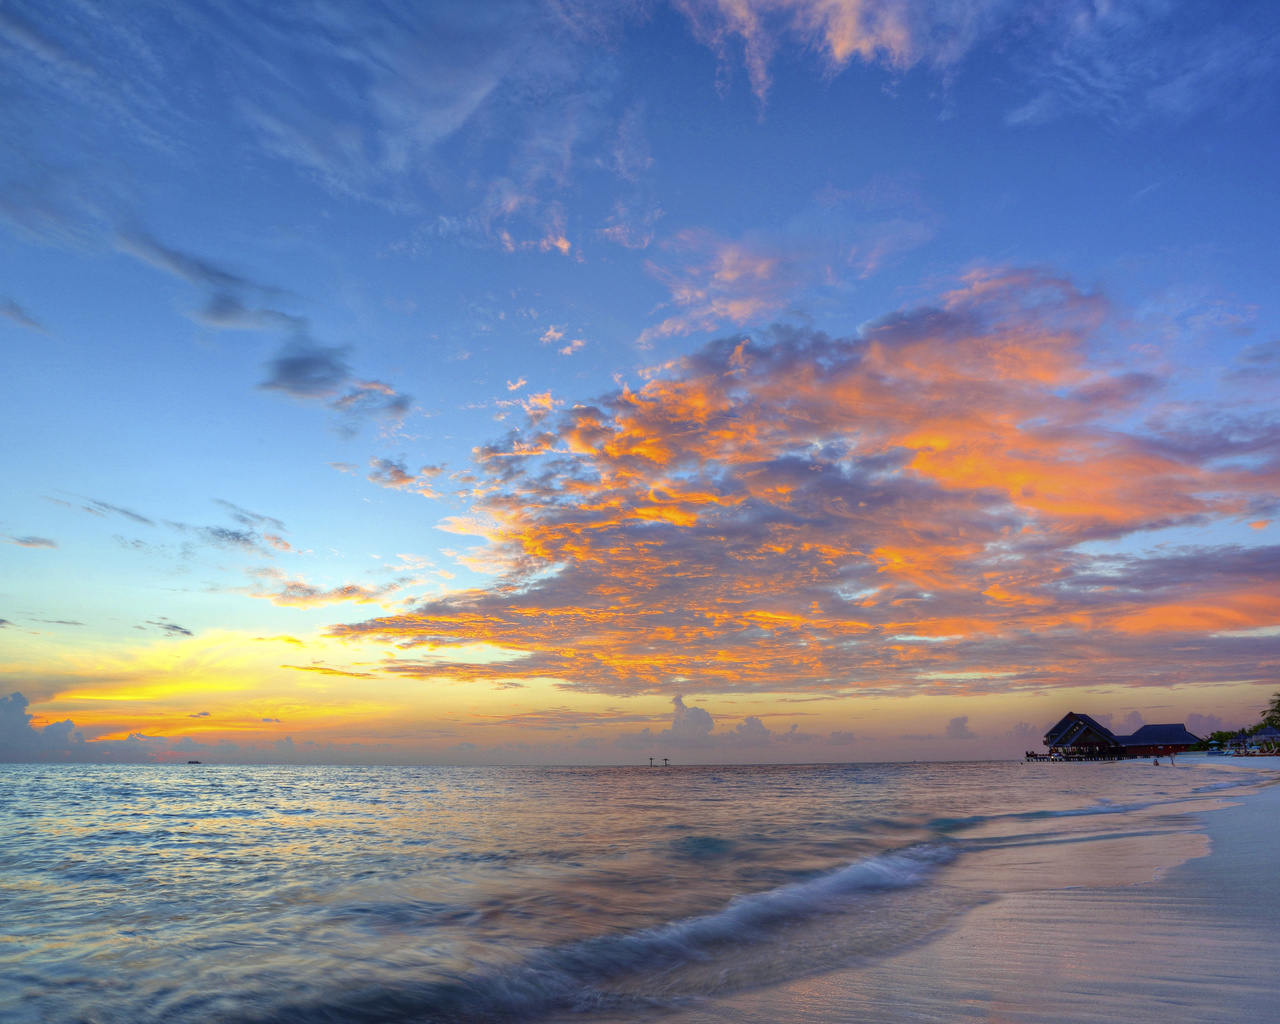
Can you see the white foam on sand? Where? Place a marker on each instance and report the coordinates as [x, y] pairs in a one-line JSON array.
[[1176, 925]]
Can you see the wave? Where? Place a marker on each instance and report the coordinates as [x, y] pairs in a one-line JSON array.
[[1244, 783], [1104, 806], [747, 914], [945, 825], [761, 938]]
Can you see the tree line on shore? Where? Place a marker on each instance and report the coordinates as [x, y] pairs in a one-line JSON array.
[[1270, 718]]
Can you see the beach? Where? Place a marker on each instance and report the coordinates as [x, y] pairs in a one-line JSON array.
[[986, 891], [1182, 928]]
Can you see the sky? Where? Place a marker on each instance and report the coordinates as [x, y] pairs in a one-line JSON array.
[[566, 381]]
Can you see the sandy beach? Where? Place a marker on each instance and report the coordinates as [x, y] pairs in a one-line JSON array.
[[1177, 925]]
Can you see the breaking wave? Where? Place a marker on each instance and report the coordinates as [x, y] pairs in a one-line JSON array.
[[757, 939]]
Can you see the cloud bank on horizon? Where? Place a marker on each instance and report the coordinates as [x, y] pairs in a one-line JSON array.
[[780, 355]]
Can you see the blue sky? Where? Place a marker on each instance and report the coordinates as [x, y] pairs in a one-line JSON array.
[[290, 292]]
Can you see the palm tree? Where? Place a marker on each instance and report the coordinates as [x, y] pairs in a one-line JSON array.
[[1271, 713]]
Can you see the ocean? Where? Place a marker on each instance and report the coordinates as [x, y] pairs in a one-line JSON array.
[[230, 893]]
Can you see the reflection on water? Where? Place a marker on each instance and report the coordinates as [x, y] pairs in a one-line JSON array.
[[252, 893]]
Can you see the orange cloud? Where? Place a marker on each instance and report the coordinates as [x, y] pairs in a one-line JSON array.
[[326, 670], [897, 33], [396, 476], [1209, 612], [901, 508], [298, 592], [716, 282]]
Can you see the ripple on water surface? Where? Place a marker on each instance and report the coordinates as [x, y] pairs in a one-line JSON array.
[[258, 893]]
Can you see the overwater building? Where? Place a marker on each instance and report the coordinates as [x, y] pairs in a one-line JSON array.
[[1078, 737]]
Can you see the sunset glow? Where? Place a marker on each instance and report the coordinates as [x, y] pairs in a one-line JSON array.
[[738, 380]]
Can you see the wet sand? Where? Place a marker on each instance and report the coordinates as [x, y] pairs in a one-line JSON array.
[[1176, 924]]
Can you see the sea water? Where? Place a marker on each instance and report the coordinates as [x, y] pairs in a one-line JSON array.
[[228, 893]]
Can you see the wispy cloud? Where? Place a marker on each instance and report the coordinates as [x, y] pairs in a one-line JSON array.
[[393, 106], [1133, 61], [247, 518], [302, 368], [230, 296], [1259, 365], [899, 508], [305, 370], [716, 283], [325, 670], [841, 238], [29, 541], [101, 508], [378, 104], [170, 628], [253, 535], [15, 314], [397, 476], [895, 32], [280, 588], [1125, 60], [562, 718]]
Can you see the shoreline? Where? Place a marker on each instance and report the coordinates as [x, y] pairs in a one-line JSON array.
[[1180, 928], [1005, 893]]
